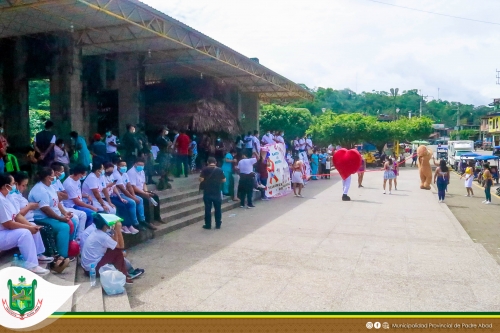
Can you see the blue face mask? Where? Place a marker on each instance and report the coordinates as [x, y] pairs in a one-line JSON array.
[[54, 181], [139, 168], [13, 190], [83, 178], [61, 177], [123, 169]]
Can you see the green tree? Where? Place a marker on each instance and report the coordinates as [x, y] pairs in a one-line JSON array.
[[37, 120], [293, 121]]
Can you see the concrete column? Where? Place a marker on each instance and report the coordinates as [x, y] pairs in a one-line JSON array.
[[128, 78], [16, 115], [66, 110], [250, 109]]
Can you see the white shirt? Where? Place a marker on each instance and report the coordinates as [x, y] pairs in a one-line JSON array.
[[109, 148], [53, 140], [7, 211], [296, 144], [279, 139], [74, 190], [96, 245], [45, 196], [246, 165], [248, 143], [302, 144], [256, 145], [110, 179], [154, 151], [20, 202], [309, 143], [58, 186], [61, 155], [92, 182], [117, 176], [90, 229], [268, 139], [136, 178]]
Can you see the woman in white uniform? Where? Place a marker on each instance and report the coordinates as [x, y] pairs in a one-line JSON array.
[[95, 187], [16, 231]]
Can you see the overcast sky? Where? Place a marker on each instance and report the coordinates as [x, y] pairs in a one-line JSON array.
[[328, 43]]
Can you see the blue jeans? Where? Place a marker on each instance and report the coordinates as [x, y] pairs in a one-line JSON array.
[[61, 231], [134, 209], [182, 160], [122, 210], [441, 185], [89, 212]]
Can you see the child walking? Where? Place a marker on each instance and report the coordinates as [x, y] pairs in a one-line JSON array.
[[298, 178]]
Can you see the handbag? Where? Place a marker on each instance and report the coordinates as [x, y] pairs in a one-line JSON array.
[[202, 184]]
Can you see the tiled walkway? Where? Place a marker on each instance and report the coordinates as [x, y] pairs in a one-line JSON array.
[[399, 252]]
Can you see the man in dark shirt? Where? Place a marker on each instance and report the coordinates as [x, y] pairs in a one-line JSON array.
[[44, 144], [131, 145], [182, 145], [212, 178]]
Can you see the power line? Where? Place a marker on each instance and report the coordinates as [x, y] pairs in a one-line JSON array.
[[434, 13]]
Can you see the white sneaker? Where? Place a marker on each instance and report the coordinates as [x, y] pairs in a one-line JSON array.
[[487, 203], [45, 260], [390, 192], [125, 230], [39, 270], [133, 230], [384, 192], [466, 195]]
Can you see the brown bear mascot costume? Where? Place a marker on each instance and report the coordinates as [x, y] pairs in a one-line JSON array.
[[424, 166]]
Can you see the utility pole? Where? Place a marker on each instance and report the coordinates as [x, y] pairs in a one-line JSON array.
[[421, 98], [458, 122]]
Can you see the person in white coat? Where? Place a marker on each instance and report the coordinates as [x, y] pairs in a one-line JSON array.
[[16, 231], [95, 187]]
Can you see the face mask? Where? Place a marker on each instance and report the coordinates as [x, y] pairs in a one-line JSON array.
[[108, 133], [53, 181], [1, 130], [268, 133], [166, 132], [13, 189], [218, 140], [109, 173], [123, 169], [139, 168], [62, 146], [61, 177], [83, 178]]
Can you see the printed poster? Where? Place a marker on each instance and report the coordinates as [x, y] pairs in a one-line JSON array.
[[279, 182]]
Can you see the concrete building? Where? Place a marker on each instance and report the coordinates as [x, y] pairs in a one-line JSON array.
[[104, 60]]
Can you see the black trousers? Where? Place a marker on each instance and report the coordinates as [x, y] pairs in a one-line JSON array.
[[147, 207], [216, 202], [245, 189]]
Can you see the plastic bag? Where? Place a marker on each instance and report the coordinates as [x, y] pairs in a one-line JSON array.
[[112, 280]]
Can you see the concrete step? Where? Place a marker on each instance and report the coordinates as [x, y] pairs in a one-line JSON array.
[[167, 197], [87, 298], [179, 204], [173, 215], [66, 278], [117, 303]]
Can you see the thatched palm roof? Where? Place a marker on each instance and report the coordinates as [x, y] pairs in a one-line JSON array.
[[200, 116]]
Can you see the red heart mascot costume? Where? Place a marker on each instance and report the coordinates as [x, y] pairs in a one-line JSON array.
[[347, 163]]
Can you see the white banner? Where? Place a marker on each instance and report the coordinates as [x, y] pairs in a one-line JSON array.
[[279, 182]]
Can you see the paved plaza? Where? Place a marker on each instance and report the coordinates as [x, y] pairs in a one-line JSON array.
[[399, 252]]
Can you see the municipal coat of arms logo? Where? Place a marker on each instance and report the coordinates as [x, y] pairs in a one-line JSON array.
[[21, 303]]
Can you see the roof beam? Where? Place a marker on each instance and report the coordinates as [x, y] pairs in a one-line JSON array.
[[190, 39]]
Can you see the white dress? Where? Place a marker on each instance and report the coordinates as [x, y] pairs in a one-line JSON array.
[[297, 177]]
